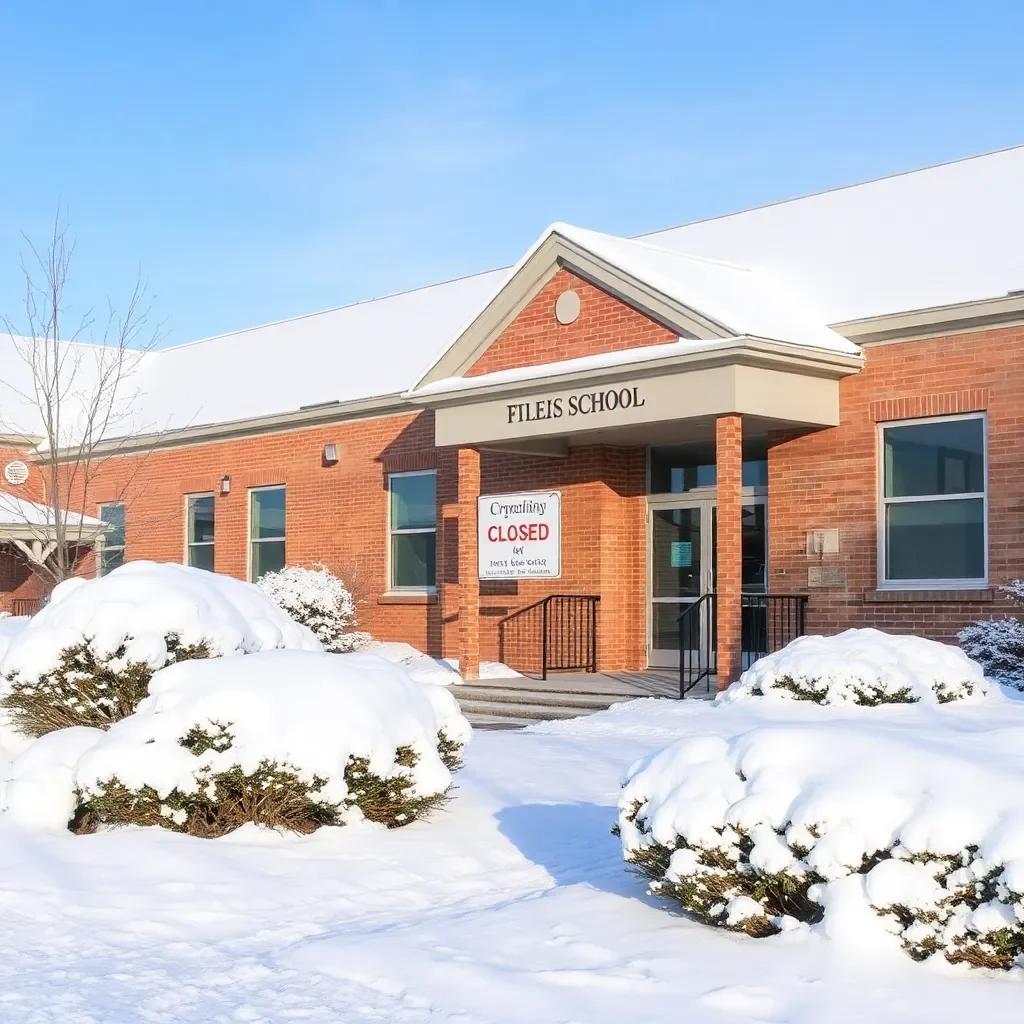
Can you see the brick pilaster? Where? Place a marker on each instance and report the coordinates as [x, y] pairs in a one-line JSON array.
[[728, 585], [469, 586]]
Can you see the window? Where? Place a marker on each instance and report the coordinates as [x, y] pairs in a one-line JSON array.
[[413, 530], [677, 468], [934, 522], [266, 531], [199, 517], [110, 550]]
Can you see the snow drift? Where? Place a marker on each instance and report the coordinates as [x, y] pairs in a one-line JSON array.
[[863, 666], [781, 827], [138, 605], [291, 738], [87, 657]]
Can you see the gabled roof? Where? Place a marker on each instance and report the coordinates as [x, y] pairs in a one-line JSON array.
[[696, 297], [740, 300]]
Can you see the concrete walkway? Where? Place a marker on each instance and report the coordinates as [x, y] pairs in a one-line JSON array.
[[513, 702]]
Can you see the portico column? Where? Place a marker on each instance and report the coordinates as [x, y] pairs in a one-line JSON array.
[[469, 586], [728, 586]]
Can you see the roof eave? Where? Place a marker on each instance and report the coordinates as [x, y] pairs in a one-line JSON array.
[[934, 321], [745, 350], [229, 430]]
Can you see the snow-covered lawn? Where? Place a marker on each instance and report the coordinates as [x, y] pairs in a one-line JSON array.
[[443, 671], [511, 905]]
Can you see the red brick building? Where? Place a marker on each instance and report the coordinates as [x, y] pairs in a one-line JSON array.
[[820, 398]]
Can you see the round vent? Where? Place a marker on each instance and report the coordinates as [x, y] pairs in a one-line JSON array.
[[16, 472], [567, 307]]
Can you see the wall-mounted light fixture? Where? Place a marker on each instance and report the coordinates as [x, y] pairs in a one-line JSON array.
[[225, 484], [330, 454]]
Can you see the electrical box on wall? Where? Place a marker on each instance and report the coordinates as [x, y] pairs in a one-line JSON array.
[[823, 542]]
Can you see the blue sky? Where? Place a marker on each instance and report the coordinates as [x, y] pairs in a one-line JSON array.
[[266, 159]]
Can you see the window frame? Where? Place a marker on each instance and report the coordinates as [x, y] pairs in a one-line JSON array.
[[250, 540], [101, 545], [189, 543], [392, 587], [954, 583]]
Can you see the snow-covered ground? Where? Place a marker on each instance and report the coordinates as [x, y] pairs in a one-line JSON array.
[[442, 671], [511, 905]]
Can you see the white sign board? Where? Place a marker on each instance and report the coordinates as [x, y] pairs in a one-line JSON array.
[[520, 536]]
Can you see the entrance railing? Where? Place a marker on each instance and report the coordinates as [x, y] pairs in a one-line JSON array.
[[555, 634], [768, 622], [27, 605]]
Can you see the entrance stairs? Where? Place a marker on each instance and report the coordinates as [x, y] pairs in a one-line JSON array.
[[515, 702]]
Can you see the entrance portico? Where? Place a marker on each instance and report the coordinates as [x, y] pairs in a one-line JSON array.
[[584, 362]]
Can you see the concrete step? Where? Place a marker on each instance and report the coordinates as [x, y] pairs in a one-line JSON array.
[[552, 698], [531, 712], [497, 723]]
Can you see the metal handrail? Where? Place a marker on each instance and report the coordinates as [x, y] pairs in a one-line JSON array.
[[697, 661], [767, 623], [562, 628]]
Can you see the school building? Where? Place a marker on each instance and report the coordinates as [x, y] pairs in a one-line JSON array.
[[619, 453]]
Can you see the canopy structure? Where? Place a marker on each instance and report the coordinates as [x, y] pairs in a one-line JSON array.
[[33, 528]]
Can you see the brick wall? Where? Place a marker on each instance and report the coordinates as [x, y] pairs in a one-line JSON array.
[[604, 325], [603, 544], [335, 514], [829, 479], [338, 515]]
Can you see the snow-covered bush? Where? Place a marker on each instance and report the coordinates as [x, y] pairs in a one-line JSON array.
[[287, 739], [88, 656], [998, 644], [784, 827], [862, 666], [320, 600]]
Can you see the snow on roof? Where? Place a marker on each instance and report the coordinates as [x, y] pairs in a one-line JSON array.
[[742, 300], [81, 363], [16, 511], [364, 350], [937, 236], [933, 237]]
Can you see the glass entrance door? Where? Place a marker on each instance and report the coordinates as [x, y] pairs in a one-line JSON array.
[[681, 560], [682, 566]]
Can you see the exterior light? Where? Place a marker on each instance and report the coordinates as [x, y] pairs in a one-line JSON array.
[[330, 454], [225, 484]]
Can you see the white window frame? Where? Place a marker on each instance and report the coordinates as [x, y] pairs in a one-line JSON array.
[[189, 543], [102, 545], [250, 540], [392, 588], [936, 584]]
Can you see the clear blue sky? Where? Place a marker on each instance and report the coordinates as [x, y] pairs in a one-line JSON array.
[[265, 159]]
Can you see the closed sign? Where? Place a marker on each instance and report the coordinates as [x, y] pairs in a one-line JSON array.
[[520, 536]]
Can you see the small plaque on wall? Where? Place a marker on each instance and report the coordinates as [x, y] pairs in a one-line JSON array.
[[826, 576]]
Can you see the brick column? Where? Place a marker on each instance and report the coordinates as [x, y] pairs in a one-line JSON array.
[[469, 586], [729, 457]]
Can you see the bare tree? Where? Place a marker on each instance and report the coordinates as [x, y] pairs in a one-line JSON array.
[[76, 383]]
